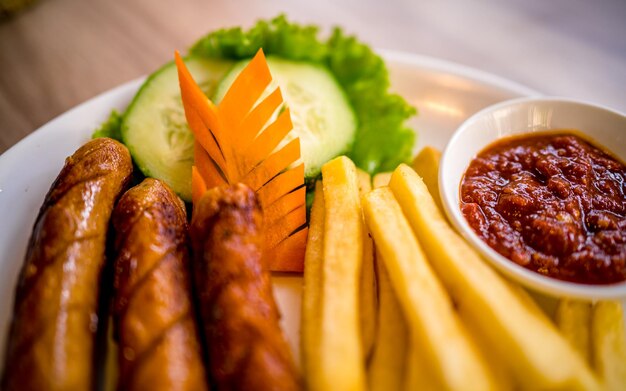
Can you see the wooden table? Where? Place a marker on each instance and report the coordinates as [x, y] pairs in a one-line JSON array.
[[59, 53]]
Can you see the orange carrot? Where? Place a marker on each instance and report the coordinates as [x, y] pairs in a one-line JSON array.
[[207, 168], [288, 254], [275, 188], [284, 226], [245, 91], [257, 118], [267, 141], [273, 165], [236, 141], [201, 114], [284, 205], [208, 141], [198, 187]]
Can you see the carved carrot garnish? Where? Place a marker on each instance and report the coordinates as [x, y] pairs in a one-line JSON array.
[[234, 145]]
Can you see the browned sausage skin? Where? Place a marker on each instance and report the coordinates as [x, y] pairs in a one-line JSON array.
[[247, 350], [153, 313], [51, 341]]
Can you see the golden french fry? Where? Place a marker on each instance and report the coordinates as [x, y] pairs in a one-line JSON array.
[[341, 366], [426, 164], [436, 332], [387, 366], [381, 179], [311, 317], [417, 376], [368, 304], [364, 181], [501, 372], [547, 304], [393, 353], [573, 318], [521, 335], [609, 344]]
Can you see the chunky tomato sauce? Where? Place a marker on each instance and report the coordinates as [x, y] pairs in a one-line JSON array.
[[552, 203]]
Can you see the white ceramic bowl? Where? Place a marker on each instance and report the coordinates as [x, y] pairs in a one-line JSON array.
[[602, 125]]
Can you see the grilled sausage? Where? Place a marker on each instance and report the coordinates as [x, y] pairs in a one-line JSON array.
[[51, 341], [240, 320], [153, 313]]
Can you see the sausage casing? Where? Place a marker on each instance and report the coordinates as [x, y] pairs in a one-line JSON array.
[[240, 320], [51, 341], [153, 312]]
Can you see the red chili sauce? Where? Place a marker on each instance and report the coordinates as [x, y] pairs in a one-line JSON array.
[[552, 203]]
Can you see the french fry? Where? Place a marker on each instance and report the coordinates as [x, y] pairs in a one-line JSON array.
[[387, 366], [418, 377], [341, 356], [609, 344], [381, 179], [547, 304], [521, 335], [426, 164], [368, 304], [436, 332], [395, 353], [573, 318], [386, 370], [311, 317]]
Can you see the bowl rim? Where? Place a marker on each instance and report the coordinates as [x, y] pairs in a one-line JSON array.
[[524, 276]]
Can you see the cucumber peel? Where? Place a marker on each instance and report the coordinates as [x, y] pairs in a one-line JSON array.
[[154, 127]]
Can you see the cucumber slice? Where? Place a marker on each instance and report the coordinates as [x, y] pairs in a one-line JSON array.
[[154, 127], [321, 114]]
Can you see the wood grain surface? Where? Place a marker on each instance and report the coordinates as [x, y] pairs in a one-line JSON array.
[[59, 53]]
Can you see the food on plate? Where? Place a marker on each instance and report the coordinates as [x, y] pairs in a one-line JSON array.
[[239, 317], [368, 301], [609, 343], [154, 128], [233, 146], [381, 179], [437, 336], [381, 140], [154, 316], [387, 367], [426, 164], [340, 363], [110, 128], [335, 88], [509, 321], [323, 118], [51, 342], [573, 318], [596, 331], [311, 323], [551, 202], [417, 309]]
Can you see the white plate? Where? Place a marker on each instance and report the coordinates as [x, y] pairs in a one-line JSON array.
[[445, 93]]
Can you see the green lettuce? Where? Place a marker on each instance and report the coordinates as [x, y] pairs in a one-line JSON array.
[[382, 140], [111, 127]]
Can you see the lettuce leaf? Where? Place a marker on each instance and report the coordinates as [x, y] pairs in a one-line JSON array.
[[111, 127], [382, 140]]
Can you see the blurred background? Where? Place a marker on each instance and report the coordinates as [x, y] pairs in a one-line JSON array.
[[55, 54]]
